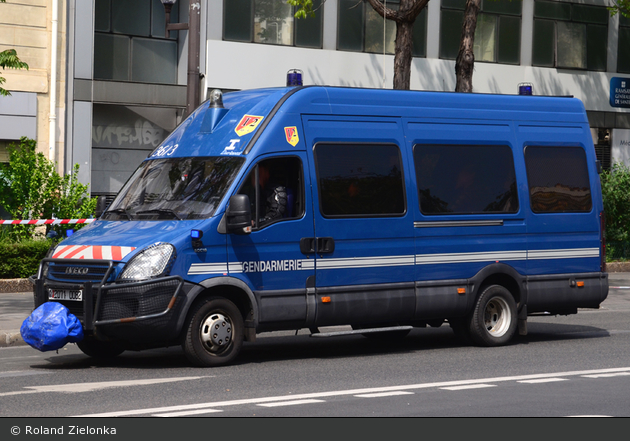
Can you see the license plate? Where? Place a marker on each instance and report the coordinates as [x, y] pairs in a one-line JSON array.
[[65, 294]]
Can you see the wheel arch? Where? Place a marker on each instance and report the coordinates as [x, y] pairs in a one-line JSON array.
[[504, 275], [230, 288]]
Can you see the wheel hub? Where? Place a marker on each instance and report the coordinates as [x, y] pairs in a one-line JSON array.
[[216, 331], [497, 319]]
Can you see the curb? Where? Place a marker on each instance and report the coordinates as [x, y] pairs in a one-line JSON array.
[[15, 285]]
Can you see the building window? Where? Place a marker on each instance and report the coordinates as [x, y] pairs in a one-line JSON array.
[[465, 179], [362, 29], [497, 35], [130, 42], [623, 54], [571, 36], [271, 22]]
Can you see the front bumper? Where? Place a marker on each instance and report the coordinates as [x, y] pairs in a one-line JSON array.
[[144, 312]]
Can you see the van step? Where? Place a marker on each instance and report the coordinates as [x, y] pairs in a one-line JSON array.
[[360, 331]]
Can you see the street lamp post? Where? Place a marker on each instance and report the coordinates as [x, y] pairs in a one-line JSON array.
[[193, 26]]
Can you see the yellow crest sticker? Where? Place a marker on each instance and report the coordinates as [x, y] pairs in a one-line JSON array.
[[292, 135], [248, 124]]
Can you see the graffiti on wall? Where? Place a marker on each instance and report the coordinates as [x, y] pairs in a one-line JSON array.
[[142, 134]]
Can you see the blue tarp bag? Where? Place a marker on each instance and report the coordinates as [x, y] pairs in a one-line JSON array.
[[50, 327]]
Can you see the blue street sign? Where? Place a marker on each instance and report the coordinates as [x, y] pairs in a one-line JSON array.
[[620, 92]]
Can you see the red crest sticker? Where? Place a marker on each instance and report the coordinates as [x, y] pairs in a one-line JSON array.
[[248, 124], [292, 135]]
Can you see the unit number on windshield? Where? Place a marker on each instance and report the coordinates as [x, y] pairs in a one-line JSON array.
[[165, 150]]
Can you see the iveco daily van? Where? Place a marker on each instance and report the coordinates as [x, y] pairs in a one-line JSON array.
[[311, 207]]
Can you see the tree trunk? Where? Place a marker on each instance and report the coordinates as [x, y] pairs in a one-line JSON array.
[[465, 62], [403, 53]]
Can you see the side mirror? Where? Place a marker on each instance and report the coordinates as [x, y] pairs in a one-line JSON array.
[[101, 206], [239, 215]]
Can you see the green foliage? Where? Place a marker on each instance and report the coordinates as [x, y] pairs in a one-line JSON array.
[[21, 260], [305, 7], [620, 6], [616, 195], [9, 58], [30, 188]]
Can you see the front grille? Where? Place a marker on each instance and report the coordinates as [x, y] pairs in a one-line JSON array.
[[136, 300], [77, 271]]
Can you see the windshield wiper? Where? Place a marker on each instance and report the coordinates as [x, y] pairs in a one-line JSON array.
[[161, 211], [119, 211]]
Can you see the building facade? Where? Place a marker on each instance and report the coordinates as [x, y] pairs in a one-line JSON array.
[[126, 79]]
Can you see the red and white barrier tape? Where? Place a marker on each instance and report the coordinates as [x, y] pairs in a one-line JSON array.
[[46, 221]]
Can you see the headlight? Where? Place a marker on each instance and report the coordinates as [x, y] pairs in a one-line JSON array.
[[154, 261]]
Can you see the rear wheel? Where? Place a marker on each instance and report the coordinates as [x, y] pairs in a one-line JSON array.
[[494, 319], [100, 349], [214, 333]]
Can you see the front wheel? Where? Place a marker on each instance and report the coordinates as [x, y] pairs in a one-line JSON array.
[[494, 319], [214, 333]]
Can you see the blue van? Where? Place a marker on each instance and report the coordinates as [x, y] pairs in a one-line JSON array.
[[312, 207]]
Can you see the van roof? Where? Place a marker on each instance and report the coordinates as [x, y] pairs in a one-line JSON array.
[[233, 130]]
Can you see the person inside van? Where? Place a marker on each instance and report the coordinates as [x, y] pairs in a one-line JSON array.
[[272, 195]]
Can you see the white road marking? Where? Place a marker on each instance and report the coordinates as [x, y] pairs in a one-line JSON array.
[[542, 380], [290, 403], [468, 386], [187, 413], [339, 393], [90, 387], [385, 394], [616, 374]]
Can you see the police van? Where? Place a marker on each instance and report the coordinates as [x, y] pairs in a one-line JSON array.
[[342, 210]]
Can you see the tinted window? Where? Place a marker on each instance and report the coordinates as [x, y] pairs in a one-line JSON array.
[[462, 179], [558, 179], [360, 180]]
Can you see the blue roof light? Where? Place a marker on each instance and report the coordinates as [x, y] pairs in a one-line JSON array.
[[525, 89], [294, 77]]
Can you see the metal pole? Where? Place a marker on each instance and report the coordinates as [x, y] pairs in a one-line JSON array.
[[192, 82]]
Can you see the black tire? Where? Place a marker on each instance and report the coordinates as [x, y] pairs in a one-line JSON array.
[[385, 335], [100, 349], [204, 348], [494, 319]]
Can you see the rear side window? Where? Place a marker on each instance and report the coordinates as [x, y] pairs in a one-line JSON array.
[[465, 179], [558, 179], [360, 180]]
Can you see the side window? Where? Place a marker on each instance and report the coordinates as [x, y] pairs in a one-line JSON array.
[[558, 179], [465, 179], [276, 191], [360, 180]]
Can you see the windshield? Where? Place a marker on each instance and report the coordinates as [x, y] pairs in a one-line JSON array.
[[175, 188]]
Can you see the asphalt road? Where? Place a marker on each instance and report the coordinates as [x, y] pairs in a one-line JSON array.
[[576, 365]]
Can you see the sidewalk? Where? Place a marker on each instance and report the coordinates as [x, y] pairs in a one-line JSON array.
[[15, 307]]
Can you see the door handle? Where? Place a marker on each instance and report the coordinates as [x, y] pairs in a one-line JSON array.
[[310, 245], [325, 244]]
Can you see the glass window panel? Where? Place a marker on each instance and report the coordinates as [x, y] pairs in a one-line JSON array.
[[350, 26], [237, 20], [102, 15], [596, 47], [560, 11], [462, 179], [450, 33], [158, 22], [273, 22], [509, 40], [420, 35], [571, 45], [511, 7], [544, 43], [623, 54], [154, 61], [454, 4], [131, 17], [360, 180], [623, 20], [111, 57], [485, 36], [374, 32], [308, 31], [558, 179], [589, 14]]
